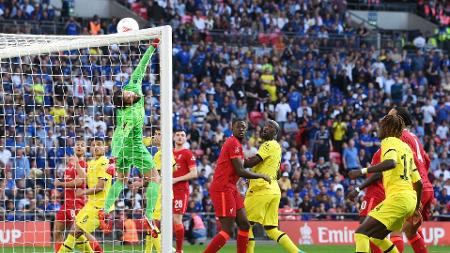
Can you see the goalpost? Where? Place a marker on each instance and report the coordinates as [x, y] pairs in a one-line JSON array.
[[41, 76]]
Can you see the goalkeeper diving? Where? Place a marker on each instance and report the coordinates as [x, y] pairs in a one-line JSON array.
[[127, 143]]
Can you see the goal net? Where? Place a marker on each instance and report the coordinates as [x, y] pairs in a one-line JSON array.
[[58, 92]]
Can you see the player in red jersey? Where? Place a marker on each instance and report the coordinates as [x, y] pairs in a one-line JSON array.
[[72, 204], [185, 170], [227, 202], [374, 185]]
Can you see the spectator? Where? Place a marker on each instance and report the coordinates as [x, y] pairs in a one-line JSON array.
[[282, 110], [350, 159], [322, 143], [442, 172], [72, 27], [5, 154], [20, 165], [285, 182], [197, 230]]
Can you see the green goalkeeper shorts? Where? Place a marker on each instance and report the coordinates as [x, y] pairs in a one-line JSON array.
[[128, 149]]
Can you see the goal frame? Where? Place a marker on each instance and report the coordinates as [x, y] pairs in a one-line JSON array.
[[65, 43]]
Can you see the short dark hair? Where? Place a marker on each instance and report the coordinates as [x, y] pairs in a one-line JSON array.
[[236, 120], [404, 114]]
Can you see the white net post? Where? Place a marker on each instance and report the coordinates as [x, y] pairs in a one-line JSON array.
[[166, 141], [25, 47]]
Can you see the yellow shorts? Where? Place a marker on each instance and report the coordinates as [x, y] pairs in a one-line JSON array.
[[87, 219], [262, 209], [157, 211], [393, 211]]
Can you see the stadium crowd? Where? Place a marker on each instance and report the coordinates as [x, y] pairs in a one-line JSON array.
[[328, 103]]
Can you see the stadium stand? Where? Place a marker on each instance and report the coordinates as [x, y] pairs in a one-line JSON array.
[[326, 96]]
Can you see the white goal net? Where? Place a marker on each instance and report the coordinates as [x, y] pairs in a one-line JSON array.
[[57, 109]]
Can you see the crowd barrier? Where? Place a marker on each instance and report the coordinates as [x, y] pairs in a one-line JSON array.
[[341, 232], [38, 233], [25, 233]]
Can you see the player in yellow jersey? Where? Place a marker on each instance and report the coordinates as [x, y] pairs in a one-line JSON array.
[[402, 184], [263, 198], [152, 238], [99, 177]]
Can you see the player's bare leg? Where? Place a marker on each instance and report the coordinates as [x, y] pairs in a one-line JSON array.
[[58, 234], [375, 231]]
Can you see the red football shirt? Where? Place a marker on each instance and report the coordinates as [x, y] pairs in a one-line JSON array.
[[70, 200], [185, 161], [375, 190], [421, 158], [225, 177]]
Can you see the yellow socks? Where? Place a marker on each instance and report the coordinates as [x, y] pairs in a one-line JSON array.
[[386, 245], [83, 244], [283, 239], [362, 243], [251, 241], [151, 242], [68, 244], [148, 243]]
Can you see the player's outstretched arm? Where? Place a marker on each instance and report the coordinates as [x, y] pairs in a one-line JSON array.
[[239, 169], [139, 72], [371, 180], [388, 164], [252, 161]]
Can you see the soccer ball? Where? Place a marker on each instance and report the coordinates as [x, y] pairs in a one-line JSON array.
[[127, 25]]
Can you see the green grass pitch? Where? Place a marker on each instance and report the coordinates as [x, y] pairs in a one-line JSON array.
[[265, 247]]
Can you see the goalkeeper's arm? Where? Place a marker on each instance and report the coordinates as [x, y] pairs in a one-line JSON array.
[[138, 73]]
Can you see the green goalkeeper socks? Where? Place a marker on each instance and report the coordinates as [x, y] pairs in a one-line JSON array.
[[113, 194], [152, 196]]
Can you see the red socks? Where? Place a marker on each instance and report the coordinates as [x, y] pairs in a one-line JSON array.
[[398, 242], [374, 248], [242, 241], [57, 246], [96, 247], [418, 244], [218, 242], [179, 234]]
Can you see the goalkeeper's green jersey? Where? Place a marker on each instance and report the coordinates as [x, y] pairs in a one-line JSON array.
[[133, 116]]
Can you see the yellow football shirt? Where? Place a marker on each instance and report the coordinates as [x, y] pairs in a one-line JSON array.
[[270, 152], [339, 130], [157, 159], [58, 114], [401, 178], [96, 171]]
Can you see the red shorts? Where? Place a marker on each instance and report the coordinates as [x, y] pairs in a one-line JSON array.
[[427, 200], [180, 202], [368, 204], [227, 203], [67, 214]]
